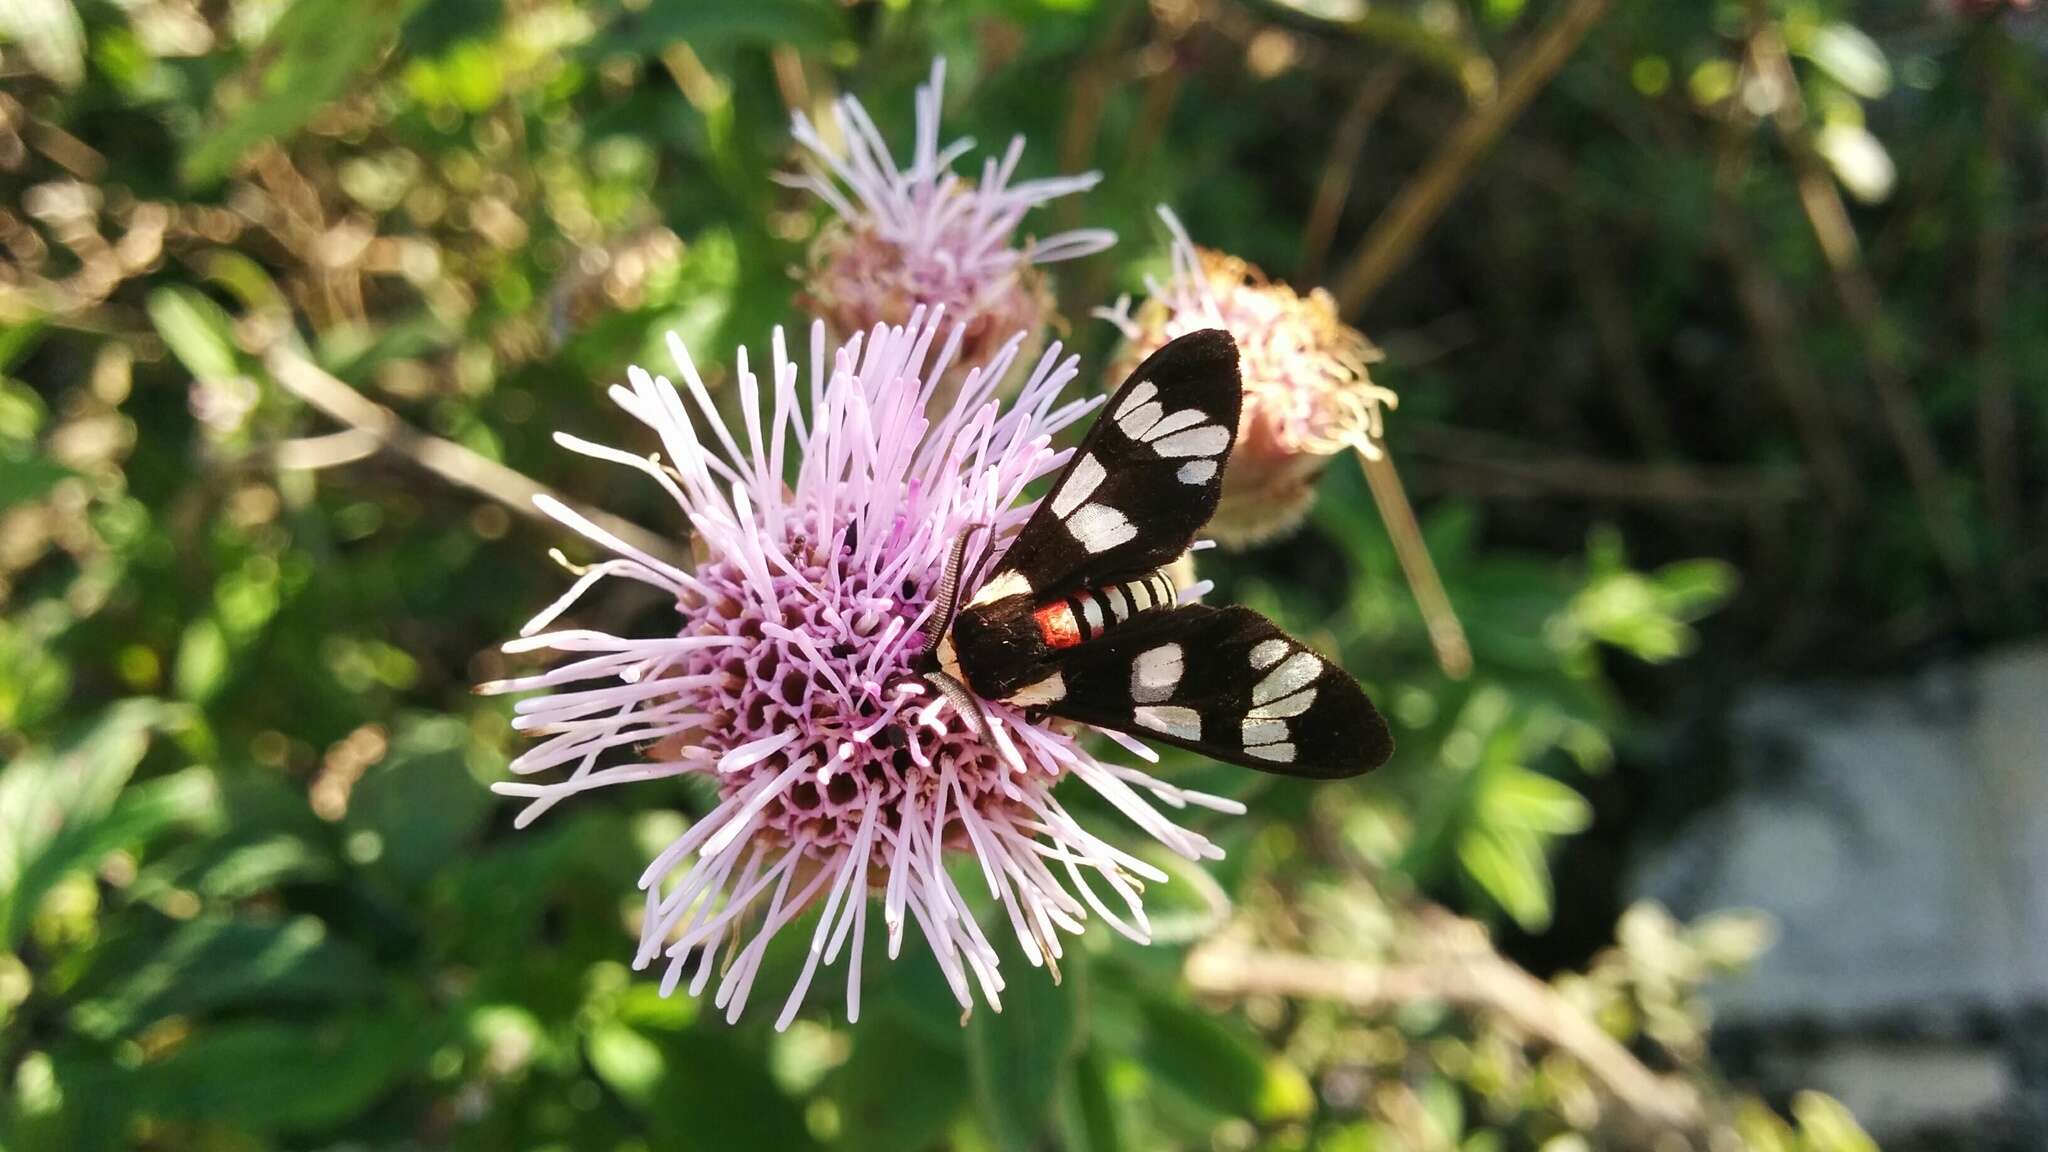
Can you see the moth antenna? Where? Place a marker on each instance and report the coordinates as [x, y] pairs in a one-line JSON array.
[[962, 700], [948, 593]]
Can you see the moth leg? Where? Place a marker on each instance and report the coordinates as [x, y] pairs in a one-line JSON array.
[[962, 700], [947, 595]]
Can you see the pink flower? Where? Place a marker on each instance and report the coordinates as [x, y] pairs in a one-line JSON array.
[[1307, 392], [785, 679], [922, 236]]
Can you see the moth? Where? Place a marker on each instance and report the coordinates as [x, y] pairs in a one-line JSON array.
[[1080, 619]]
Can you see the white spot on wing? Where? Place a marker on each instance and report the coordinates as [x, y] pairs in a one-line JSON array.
[[1171, 719], [1296, 673], [1208, 440], [1098, 527], [1046, 691], [1258, 732], [1267, 653], [1079, 485], [1277, 753], [1140, 393], [1196, 471], [1008, 582], [1155, 673], [1293, 705], [1140, 420], [1175, 421]]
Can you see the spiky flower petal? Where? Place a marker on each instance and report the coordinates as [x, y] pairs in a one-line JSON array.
[[922, 236], [823, 520]]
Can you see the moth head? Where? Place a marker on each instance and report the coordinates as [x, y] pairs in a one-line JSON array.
[[999, 646]]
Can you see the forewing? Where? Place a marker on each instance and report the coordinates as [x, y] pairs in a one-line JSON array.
[[1228, 683], [1143, 482]]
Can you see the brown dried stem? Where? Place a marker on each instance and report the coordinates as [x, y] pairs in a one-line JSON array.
[[1334, 188], [1828, 217], [1489, 463], [443, 458], [1446, 634], [1402, 226], [1472, 978]]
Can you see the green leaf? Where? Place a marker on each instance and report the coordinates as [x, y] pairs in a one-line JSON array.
[[268, 1076], [1088, 1114], [201, 667], [420, 801], [718, 1094], [1508, 864], [1851, 58], [28, 478], [197, 331], [313, 54], [1217, 1065], [53, 800], [898, 1090], [629, 1063], [214, 963], [1828, 1126], [1019, 1055], [1520, 798]]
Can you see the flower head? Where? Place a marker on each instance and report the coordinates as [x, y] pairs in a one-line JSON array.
[[906, 237], [1307, 393], [786, 680]]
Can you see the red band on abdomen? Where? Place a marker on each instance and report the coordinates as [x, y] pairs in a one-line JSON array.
[[1056, 624]]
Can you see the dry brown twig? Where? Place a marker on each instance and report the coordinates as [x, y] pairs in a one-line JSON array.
[[1469, 976], [1415, 209], [1446, 632], [1488, 462], [1333, 188], [446, 459], [1828, 217]]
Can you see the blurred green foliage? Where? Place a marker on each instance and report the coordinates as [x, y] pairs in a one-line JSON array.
[[253, 893]]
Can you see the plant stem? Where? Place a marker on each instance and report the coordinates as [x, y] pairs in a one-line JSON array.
[[1404, 223], [1446, 634], [446, 459]]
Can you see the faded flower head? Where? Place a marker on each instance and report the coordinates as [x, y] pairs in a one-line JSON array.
[[921, 235], [785, 683], [1307, 394]]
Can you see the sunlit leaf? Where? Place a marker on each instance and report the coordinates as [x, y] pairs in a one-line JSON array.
[[1850, 57], [1508, 865], [197, 330], [1828, 1126], [1859, 160], [214, 963], [52, 800]]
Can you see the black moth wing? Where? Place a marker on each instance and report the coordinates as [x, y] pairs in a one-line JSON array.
[[1228, 683], [1145, 478]]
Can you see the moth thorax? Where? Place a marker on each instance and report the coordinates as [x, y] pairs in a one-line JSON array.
[[1089, 612]]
